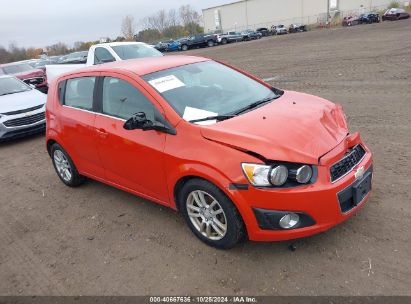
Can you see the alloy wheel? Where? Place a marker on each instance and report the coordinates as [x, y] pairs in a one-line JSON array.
[[62, 165], [206, 215]]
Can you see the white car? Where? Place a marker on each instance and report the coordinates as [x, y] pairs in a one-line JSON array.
[[104, 53], [22, 108]]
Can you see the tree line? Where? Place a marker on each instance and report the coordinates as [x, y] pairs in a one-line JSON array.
[[163, 25]]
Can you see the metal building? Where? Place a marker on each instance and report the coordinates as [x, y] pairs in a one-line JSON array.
[[245, 14]]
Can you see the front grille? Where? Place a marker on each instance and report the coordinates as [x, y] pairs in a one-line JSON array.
[[35, 80], [23, 111], [347, 163], [24, 121], [23, 132]]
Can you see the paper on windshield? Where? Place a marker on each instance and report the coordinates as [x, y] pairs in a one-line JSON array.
[[167, 83], [195, 113]]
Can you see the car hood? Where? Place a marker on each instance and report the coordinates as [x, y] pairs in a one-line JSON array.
[[296, 127], [30, 74], [21, 101]]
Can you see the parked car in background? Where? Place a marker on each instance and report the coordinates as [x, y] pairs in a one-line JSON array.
[[41, 63], [350, 21], [229, 37], [197, 41], [395, 14], [279, 30], [369, 18], [76, 57], [173, 45], [161, 46], [26, 73], [297, 28], [238, 158], [251, 35], [168, 46], [264, 31], [103, 53], [22, 108]]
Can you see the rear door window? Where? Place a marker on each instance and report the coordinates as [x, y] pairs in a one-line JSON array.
[[122, 100], [80, 92]]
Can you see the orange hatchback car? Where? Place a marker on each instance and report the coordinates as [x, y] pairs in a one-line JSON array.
[[237, 157]]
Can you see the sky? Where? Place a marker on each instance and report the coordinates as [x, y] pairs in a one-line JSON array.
[[31, 23]]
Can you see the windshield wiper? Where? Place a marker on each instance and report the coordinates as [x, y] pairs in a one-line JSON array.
[[216, 117], [255, 104]]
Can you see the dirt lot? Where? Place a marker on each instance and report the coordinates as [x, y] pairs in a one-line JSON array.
[[96, 240]]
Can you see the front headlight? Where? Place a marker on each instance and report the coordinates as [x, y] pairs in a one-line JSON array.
[[302, 175], [257, 175], [277, 175]]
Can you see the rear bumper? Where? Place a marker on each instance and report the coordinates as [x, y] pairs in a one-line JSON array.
[[323, 204]]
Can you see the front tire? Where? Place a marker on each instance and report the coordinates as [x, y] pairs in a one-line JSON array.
[[65, 168], [184, 47], [210, 214], [210, 43]]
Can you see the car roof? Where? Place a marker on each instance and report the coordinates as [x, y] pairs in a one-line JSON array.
[[143, 66], [119, 43]]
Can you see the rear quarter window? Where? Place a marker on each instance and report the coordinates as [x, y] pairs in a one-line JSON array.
[[79, 93]]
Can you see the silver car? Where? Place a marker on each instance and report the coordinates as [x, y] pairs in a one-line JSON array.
[[22, 108]]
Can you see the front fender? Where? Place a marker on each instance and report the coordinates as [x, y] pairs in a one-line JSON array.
[[218, 178]]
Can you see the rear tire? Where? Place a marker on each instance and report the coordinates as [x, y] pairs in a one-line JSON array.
[[210, 214], [65, 168]]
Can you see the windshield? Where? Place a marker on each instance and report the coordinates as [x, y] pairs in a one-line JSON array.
[[132, 51], [207, 88], [10, 85], [17, 68]]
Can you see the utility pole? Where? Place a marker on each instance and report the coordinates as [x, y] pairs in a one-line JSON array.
[[328, 13], [246, 13]]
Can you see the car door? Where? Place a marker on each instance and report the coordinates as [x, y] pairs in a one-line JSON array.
[[199, 40], [77, 118], [132, 159]]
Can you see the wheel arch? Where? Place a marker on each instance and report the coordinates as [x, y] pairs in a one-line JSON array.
[[49, 144], [220, 181]]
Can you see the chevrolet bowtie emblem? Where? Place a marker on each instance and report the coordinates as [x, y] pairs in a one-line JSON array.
[[359, 173]]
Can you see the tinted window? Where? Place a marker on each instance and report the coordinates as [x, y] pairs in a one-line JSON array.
[[79, 93], [121, 99], [102, 55]]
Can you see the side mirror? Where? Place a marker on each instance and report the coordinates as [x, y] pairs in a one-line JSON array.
[[137, 121], [140, 121]]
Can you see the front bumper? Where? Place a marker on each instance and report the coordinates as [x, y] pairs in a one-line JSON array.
[[20, 125], [326, 203]]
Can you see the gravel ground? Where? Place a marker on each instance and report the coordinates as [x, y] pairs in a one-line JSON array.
[[96, 240]]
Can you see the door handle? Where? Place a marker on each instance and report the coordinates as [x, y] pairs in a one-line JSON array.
[[102, 133]]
